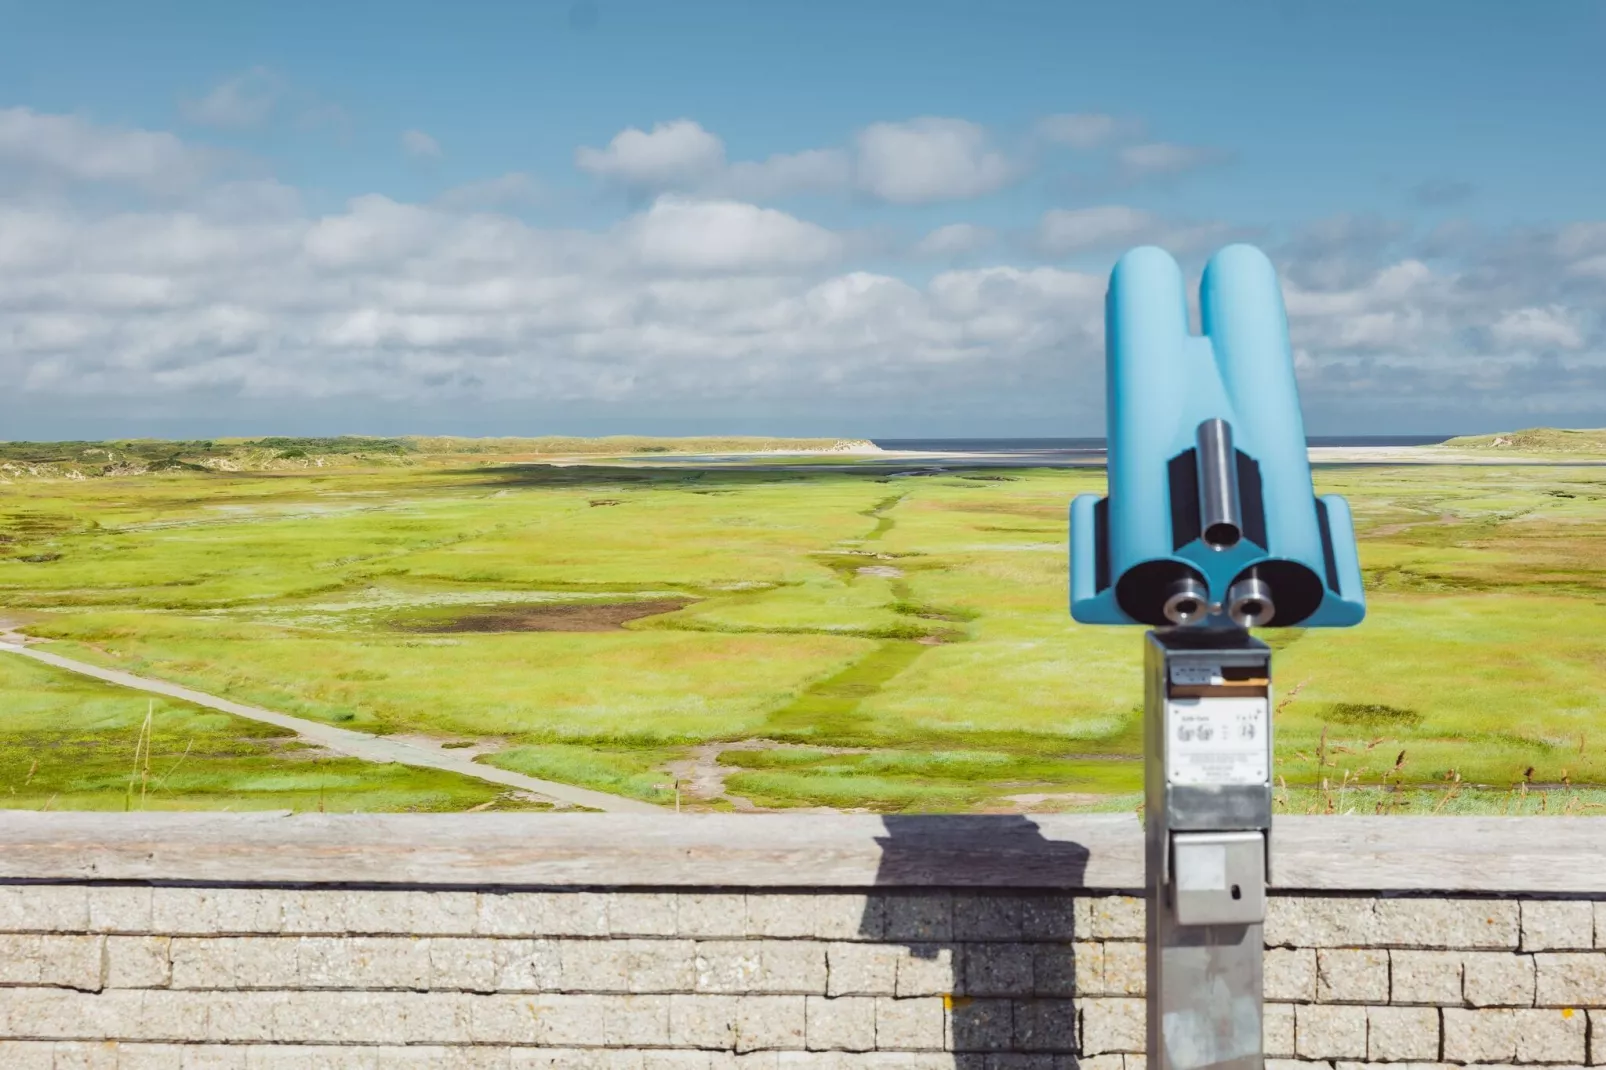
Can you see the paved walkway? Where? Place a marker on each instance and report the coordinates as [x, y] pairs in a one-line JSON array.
[[344, 740]]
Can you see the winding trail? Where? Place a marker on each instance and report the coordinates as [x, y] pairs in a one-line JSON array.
[[343, 740]]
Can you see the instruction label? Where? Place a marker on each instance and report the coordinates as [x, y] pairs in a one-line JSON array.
[[1197, 674], [1217, 741]]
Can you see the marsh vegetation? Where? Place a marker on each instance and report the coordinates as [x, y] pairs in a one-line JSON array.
[[779, 637]]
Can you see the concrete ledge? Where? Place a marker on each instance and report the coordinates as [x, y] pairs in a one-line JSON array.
[[1544, 856]]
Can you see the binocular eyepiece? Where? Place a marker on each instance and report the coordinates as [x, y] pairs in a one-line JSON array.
[[1249, 603]]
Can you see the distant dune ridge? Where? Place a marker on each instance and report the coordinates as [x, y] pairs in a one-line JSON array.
[[83, 459], [1536, 440]]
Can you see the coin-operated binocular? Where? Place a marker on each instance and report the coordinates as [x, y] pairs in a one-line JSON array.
[[1211, 527]]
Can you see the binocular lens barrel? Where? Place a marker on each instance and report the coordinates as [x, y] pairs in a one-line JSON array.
[[1186, 602], [1220, 510], [1249, 602]]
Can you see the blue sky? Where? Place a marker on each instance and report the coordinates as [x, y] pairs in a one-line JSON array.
[[428, 217]]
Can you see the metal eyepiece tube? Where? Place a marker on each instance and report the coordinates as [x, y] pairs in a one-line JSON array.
[[1187, 600], [1249, 602], [1220, 511]]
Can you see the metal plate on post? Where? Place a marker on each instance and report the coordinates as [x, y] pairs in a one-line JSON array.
[[1219, 741]]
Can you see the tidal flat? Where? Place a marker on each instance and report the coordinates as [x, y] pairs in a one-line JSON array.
[[847, 634]]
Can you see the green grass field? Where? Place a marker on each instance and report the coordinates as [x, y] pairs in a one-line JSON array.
[[772, 637]]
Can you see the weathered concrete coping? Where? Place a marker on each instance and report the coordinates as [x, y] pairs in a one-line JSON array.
[[1093, 851]]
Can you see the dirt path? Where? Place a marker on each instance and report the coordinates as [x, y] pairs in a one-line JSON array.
[[340, 740]]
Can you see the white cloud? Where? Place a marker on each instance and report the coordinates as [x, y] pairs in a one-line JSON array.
[[504, 191], [68, 148], [1067, 231], [1162, 158], [955, 239], [241, 101], [420, 145], [1528, 328], [672, 154], [1086, 130], [914, 162], [929, 159], [687, 235], [811, 171]]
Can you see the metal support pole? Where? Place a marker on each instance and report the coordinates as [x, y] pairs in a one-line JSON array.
[[1207, 823]]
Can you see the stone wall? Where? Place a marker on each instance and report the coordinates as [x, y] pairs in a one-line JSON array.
[[717, 961]]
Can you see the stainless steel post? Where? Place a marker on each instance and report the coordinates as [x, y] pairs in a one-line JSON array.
[[1207, 823]]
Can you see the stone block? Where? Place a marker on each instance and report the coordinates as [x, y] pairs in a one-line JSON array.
[[1125, 968], [1402, 1034], [315, 962], [1310, 921], [542, 914], [461, 963], [1470, 924], [859, 969], [1065, 969], [527, 965], [629, 965], [217, 911], [1043, 1025], [1432, 977], [711, 914], [1597, 1037], [246, 1017], [1050, 916], [1112, 1025], [827, 916], [697, 1021], [314, 912], [138, 962], [916, 1024], [846, 1023], [636, 1021], [918, 917], [1480, 1036], [44, 908], [928, 970], [1552, 1035], [1557, 925], [27, 1055], [980, 1024], [59, 961], [770, 1022], [1277, 1030], [986, 916], [997, 970], [759, 966], [1290, 974], [115, 909], [1329, 1031], [1497, 979], [642, 914], [1116, 917], [1571, 979], [1352, 975]]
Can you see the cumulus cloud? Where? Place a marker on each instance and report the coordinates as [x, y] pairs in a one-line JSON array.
[[955, 239], [420, 145], [915, 162], [1067, 231], [671, 154], [504, 191], [726, 236], [71, 149], [1086, 130], [1159, 159], [241, 101], [929, 159], [236, 294]]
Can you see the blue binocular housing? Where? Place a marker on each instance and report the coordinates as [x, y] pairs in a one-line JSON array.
[[1211, 515]]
